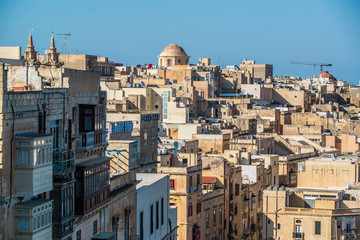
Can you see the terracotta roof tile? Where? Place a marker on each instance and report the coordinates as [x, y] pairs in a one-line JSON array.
[[208, 179]]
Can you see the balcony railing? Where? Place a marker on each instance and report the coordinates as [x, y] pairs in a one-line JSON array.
[[87, 140], [104, 137], [298, 235], [63, 160]]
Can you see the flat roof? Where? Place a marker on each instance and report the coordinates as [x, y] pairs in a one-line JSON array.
[[32, 135], [325, 190], [93, 162], [121, 141], [33, 202], [147, 179], [331, 158], [13, 62], [104, 235], [231, 94]]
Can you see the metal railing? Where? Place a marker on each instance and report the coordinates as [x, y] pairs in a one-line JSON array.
[[63, 159], [298, 235], [87, 139], [104, 136]]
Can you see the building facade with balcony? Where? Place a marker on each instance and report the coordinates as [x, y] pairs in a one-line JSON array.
[[213, 205], [229, 207], [309, 214], [185, 171], [55, 119], [122, 213], [27, 157]]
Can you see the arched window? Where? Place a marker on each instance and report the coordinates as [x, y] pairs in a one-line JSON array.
[[168, 62]]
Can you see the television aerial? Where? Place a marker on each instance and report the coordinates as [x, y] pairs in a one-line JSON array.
[[65, 36]]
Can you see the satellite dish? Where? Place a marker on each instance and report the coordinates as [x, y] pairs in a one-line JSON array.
[[229, 105], [177, 145], [175, 152], [142, 84]]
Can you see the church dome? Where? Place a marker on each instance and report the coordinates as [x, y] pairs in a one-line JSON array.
[[173, 50], [326, 74]]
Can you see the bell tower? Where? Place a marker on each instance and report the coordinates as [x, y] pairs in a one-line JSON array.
[[52, 56], [30, 55]]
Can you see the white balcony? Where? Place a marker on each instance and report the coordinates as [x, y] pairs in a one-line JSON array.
[[33, 220], [33, 164]]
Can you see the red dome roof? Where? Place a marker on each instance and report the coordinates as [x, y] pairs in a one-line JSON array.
[[326, 74]]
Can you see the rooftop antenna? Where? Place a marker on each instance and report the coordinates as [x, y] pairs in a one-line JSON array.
[[65, 36]]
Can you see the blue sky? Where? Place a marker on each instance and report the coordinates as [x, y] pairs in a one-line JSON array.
[[136, 31]]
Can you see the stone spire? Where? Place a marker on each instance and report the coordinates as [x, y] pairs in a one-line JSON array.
[[30, 46], [52, 44], [52, 56], [30, 55]]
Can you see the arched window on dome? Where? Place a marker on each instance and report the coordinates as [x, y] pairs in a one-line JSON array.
[[169, 62]]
